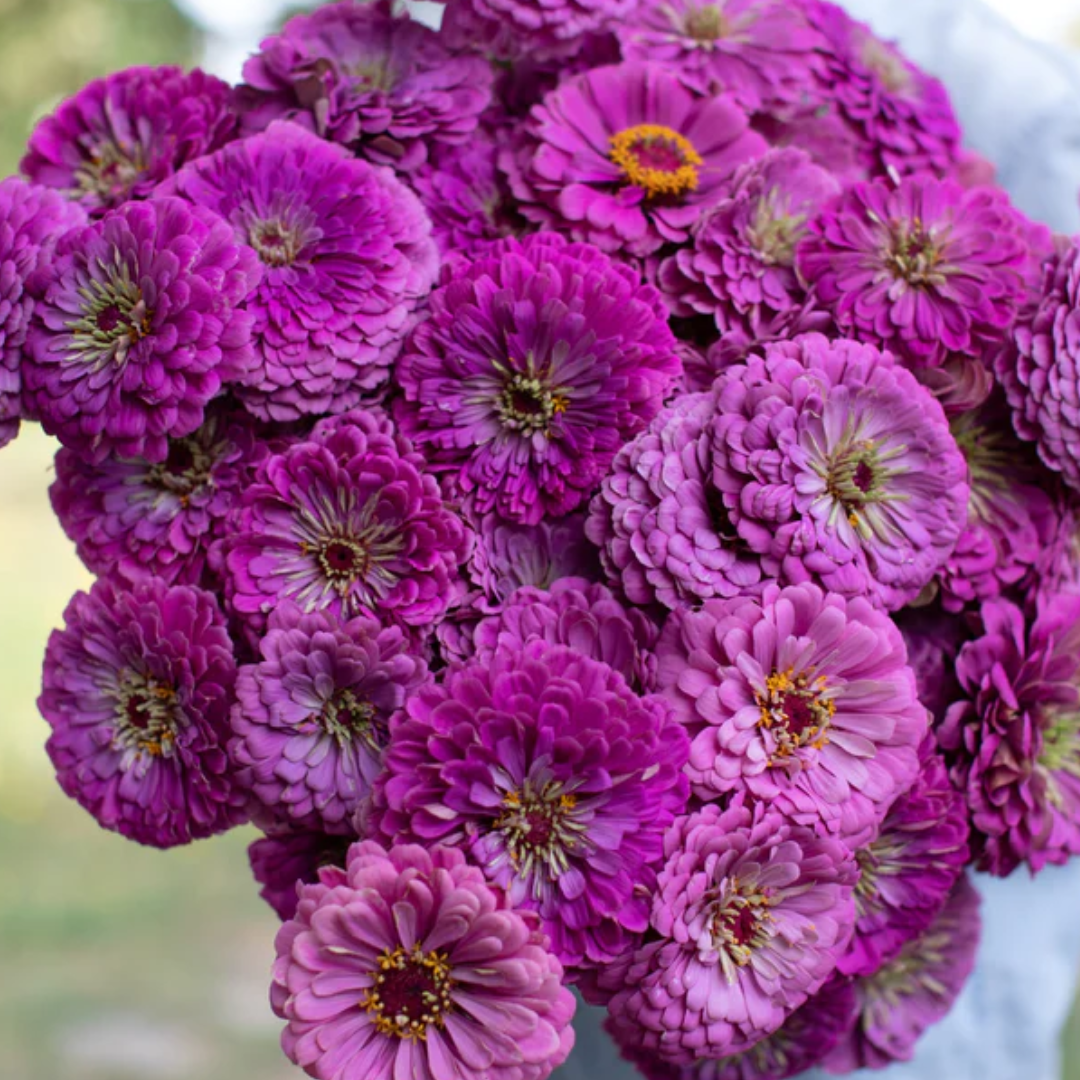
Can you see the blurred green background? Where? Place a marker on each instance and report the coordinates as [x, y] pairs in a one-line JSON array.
[[116, 962]]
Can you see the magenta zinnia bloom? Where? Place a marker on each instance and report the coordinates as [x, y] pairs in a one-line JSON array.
[[556, 778], [347, 523], [536, 364], [1015, 738], [909, 869], [139, 326], [32, 220], [284, 860], [924, 269], [626, 157], [740, 265], [763, 52], [834, 464], [914, 991], [311, 717], [121, 136], [748, 917], [347, 253], [381, 85], [137, 690], [803, 698], [659, 521], [166, 520], [408, 964]]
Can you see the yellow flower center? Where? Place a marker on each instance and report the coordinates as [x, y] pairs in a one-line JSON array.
[[794, 712], [656, 159]]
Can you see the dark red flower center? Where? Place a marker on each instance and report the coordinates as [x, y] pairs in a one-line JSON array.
[[795, 712], [657, 159], [528, 404], [410, 991], [540, 829], [740, 920], [147, 715], [114, 317], [863, 477], [742, 925], [856, 476]]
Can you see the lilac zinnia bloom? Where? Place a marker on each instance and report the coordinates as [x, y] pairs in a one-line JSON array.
[[659, 521], [165, 519], [803, 699], [382, 85], [763, 52], [913, 991], [138, 327], [137, 689], [347, 253], [835, 465], [121, 136], [284, 860], [406, 963], [908, 870], [345, 522], [312, 715], [555, 777], [748, 917], [32, 220], [1015, 739], [740, 265], [535, 365], [582, 615], [925, 268], [626, 157]]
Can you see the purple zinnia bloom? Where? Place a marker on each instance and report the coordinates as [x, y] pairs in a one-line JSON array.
[[913, 991], [748, 917], [284, 860], [312, 716], [803, 699], [348, 255], [835, 465], [802, 1041], [137, 689], [909, 869], [933, 638], [535, 365], [659, 521], [763, 52], [925, 268], [165, 519], [32, 220], [138, 327], [1015, 739], [626, 157], [382, 85], [345, 522], [407, 964], [962, 383], [739, 268], [555, 777], [582, 615], [121, 136]]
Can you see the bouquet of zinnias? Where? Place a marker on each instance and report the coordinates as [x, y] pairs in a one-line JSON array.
[[595, 484]]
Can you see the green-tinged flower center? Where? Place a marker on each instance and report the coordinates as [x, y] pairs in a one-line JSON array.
[[991, 457], [707, 23], [347, 718], [913, 254], [740, 924], [276, 242], [147, 715], [775, 231], [410, 992], [876, 860], [656, 159], [528, 405], [795, 711], [372, 72], [856, 476], [1060, 755], [540, 828], [114, 317], [887, 64], [916, 967], [185, 471], [110, 170]]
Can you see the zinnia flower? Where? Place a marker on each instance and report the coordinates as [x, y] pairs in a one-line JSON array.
[[407, 963], [535, 365], [347, 253], [626, 157], [119, 137], [138, 327], [915, 990], [803, 699], [312, 715], [925, 268], [32, 220], [381, 85], [287, 859], [345, 522], [556, 779], [1015, 739], [137, 690], [748, 917]]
